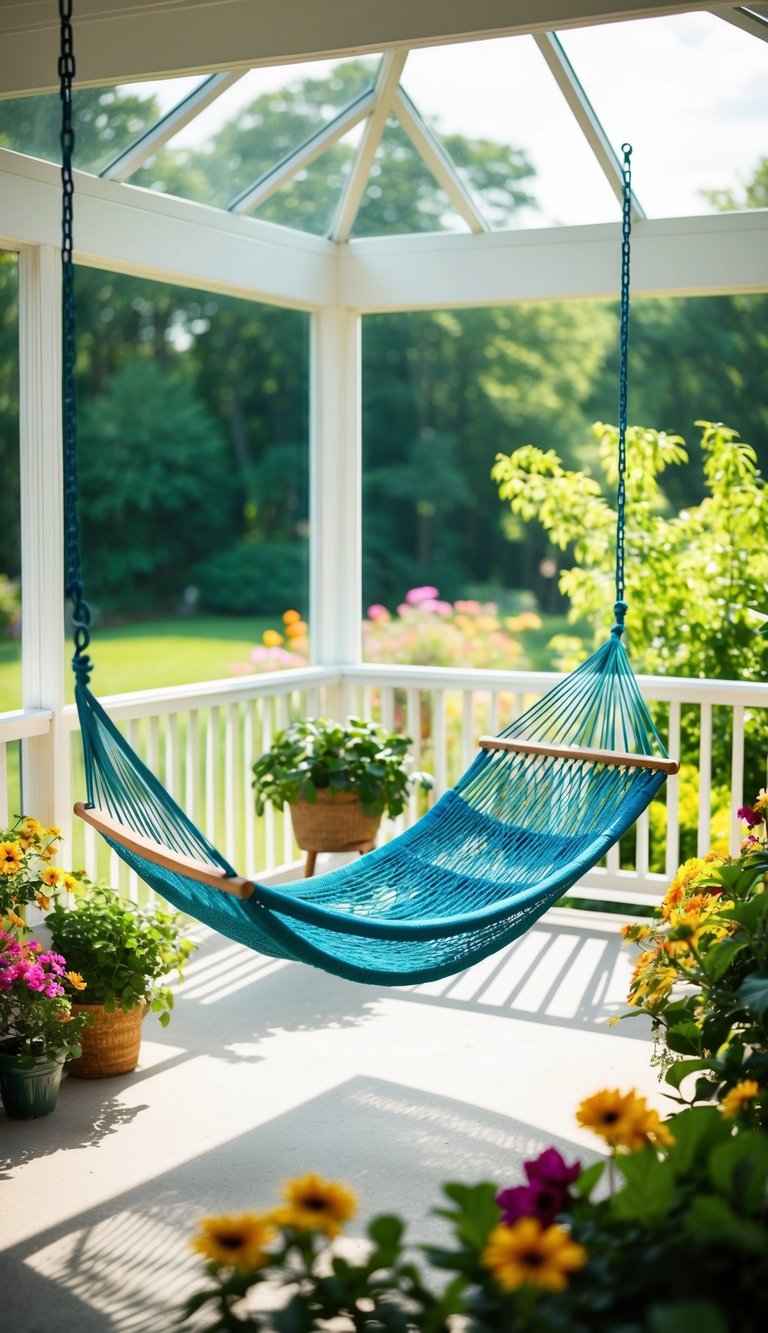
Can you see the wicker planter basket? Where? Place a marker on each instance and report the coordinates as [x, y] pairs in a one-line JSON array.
[[335, 822], [111, 1045]]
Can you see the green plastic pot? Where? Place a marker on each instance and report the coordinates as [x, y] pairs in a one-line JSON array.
[[32, 1091]]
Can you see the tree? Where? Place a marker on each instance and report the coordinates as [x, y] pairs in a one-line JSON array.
[[155, 488]]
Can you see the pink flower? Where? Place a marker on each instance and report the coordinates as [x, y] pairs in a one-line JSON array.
[[440, 608], [378, 612], [416, 595]]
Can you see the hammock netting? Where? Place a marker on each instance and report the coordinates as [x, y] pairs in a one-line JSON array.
[[491, 856]]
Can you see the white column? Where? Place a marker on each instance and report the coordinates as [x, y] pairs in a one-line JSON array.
[[45, 759], [335, 588]]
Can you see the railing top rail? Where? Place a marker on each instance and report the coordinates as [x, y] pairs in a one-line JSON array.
[[23, 722], [208, 694], [661, 689]]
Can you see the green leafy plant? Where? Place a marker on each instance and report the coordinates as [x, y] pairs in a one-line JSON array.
[[123, 953], [316, 754]]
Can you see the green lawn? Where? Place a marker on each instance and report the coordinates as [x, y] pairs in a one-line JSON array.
[[152, 654], [156, 653]]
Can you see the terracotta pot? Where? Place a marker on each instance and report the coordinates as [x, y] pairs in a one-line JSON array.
[[31, 1092], [111, 1044], [335, 822]]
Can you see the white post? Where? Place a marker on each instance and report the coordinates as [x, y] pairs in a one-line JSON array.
[[45, 759], [335, 594]]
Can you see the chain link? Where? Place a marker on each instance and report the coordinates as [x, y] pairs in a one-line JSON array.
[[81, 613], [626, 225]]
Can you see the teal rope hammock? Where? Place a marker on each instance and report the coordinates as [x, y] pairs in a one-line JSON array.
[[541, 803]]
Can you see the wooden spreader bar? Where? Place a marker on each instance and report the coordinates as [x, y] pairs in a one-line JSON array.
[[161, 856], [618, 757]]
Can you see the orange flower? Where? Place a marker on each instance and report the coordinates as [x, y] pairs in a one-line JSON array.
[[291, 617], [76, 980], [531, 1254], [623, 1119]]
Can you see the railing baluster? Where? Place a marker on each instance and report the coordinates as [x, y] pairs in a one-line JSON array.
[[281, 719], [171, 752], [737, 778], [211, 765], [705, 780], [493, 724], [134, 890], [672, 789], [230, 763], [413, 729], [642, 846], [267, 732], [468, 740], [249, 814], [440, 760], [192, 776], [388, 708]]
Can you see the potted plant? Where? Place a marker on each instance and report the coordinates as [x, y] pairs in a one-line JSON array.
[[125, 954], [338, 780], [38, 1032]]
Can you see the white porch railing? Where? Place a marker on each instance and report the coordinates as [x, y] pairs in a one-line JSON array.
[[202, 739]]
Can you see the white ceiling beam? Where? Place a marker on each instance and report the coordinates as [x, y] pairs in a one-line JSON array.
[[384, 95], [129, 230], [750, 18], [698, 256], [586, 118], [306, 153], [438, 161], [119, 41], [125, 164]]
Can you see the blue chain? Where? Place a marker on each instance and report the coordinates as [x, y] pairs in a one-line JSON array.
[[620, 607], [73, 586]]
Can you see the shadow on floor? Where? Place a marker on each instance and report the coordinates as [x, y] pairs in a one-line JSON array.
[[125, 1266]]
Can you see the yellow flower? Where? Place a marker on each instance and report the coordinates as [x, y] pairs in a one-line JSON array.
[[68, 882], [30, 832], [14, 919], [738, 1098], [314, 1204], [653, 977], [761, 802], [634, 931], [11, 857], [271, 639], [42, 900], [235, 1240], [529, 1254], [76, 980], [623, 1119], [697, 921], [52, 877]]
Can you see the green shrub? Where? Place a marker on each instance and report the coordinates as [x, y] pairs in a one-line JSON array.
[[254, 578]]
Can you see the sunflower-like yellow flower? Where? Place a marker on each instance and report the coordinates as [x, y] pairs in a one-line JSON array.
[[697, 920], [42, 900], [314, 1204], [52, 876], [30, 832], [14, 919], [653, 978], [234, 1240], [739, 1098], [271, 638], [530, 1254], [68, 882], [623, 1119], [76, 980], [11, 857]]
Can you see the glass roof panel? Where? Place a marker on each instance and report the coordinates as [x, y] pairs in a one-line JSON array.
[[309, 200], [401, 195], [253, 125], [106, 120], [500, 93], [690, 93]]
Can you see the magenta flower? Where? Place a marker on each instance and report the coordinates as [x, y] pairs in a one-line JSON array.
[[750, 816], [546, 1193], [378, 612]]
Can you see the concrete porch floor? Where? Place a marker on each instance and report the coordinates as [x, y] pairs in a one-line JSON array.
[[269, 1070]]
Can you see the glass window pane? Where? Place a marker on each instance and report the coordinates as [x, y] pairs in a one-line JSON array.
[[690, 93], [106, 120], [193, 447], [255, 124], [401, 194], [502, 117]]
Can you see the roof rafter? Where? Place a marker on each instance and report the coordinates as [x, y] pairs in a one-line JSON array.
[[384, 92], [126, 163], [307, 152], [584, 113], [439, 161]]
